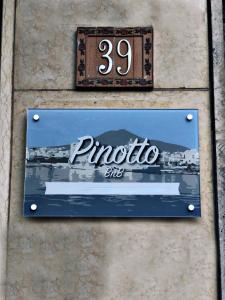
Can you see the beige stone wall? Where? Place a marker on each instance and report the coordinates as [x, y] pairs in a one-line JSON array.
[[74, 259]]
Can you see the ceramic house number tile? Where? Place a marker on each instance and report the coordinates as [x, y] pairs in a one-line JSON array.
[[111, 57]]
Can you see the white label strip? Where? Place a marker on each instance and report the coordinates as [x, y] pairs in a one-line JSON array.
[[112, 188]]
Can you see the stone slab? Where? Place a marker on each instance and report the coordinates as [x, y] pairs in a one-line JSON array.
[[45, 39], [111, 259], [219, 134], [6, 70]]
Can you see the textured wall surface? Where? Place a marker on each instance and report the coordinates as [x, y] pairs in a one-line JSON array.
[[45, 39], [219, 107], [110, 259], [5, 132]]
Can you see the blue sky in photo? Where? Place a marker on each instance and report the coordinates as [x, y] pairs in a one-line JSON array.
[[60, 127]]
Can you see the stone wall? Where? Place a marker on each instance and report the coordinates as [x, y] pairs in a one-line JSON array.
[[223, 7], [73, 259]]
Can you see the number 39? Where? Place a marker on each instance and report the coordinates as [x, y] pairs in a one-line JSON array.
[[107, 45]]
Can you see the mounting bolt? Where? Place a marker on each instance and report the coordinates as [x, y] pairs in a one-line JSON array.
[[36, 117], [189, 117], [191, 207], [33, 207]]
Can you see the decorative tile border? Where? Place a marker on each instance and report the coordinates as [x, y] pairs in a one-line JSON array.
[[144, 82]]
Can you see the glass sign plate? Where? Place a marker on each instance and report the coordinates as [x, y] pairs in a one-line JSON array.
[[112, 163]]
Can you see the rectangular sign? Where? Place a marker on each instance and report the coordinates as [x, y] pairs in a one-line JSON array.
[[112, 163], [114, 57]]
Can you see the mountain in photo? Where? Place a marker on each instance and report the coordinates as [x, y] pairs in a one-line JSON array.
[[123, 137]]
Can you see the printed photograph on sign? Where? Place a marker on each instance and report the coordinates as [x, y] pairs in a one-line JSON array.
[[112, 163]]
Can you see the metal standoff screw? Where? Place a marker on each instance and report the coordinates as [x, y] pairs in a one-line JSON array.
[[189, 117], [191, 207], [36, 117], [33, 207]]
